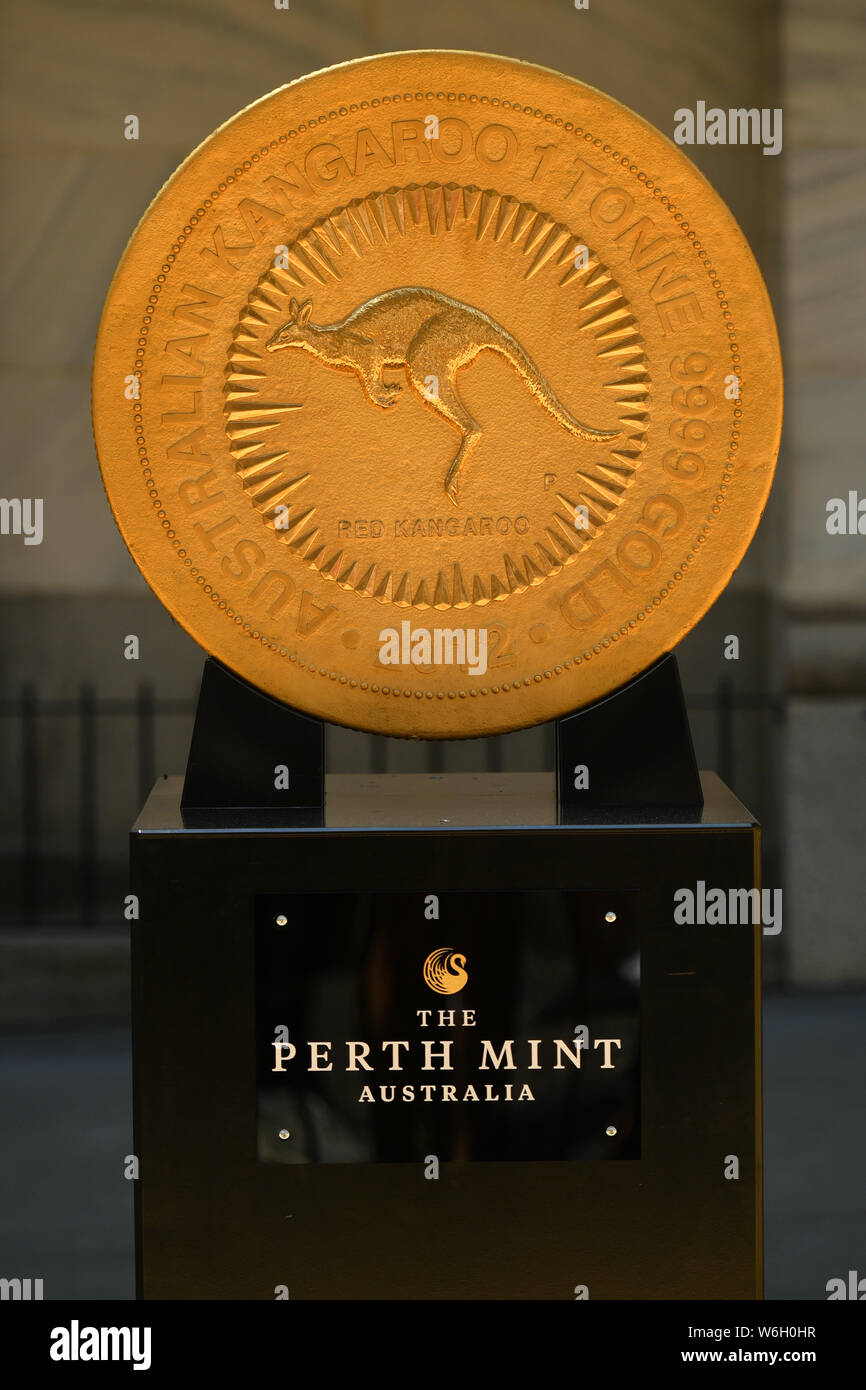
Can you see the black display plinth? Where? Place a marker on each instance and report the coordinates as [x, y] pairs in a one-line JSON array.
[[258, 1185]]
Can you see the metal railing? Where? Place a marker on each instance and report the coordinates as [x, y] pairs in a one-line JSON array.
[[93, 878]]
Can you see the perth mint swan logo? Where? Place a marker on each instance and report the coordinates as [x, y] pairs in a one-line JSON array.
[[444, 972]]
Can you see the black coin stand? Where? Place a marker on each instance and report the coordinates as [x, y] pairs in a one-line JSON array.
[[635, 745]]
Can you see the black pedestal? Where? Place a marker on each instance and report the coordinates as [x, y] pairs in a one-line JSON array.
[[614, 1180]]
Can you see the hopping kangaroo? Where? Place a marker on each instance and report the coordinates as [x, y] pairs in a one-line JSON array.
[[430, 335]]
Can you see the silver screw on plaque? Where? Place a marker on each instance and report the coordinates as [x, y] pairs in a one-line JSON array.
[[610, 1131], [444, 820], [608, 917], [281, 920], [285, 1134]]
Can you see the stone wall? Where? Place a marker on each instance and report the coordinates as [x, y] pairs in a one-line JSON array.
[[822, 581]]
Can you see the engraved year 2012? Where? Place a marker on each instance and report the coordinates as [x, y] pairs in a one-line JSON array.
[[501, 653]]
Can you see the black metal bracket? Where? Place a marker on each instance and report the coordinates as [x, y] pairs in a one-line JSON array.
[[256, 761], [632, 750], [252, 757]]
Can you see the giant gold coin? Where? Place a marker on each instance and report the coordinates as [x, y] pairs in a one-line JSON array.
[[437, 394]]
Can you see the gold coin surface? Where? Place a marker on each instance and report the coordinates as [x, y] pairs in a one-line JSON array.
[[437, 394]]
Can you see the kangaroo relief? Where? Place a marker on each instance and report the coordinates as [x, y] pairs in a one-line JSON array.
[[429, 334]]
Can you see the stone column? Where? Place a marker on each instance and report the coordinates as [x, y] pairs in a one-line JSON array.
[[823, 576]]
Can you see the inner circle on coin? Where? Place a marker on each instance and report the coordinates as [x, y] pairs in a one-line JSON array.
[[433, 410], [356, 293]]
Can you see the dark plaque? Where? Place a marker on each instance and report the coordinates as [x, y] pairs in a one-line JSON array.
[[469, 1026]]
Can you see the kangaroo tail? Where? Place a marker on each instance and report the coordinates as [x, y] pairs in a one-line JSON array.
[[510, 349]]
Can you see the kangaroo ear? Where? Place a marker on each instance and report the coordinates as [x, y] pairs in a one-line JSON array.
[[293, 307], [304, 312]]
